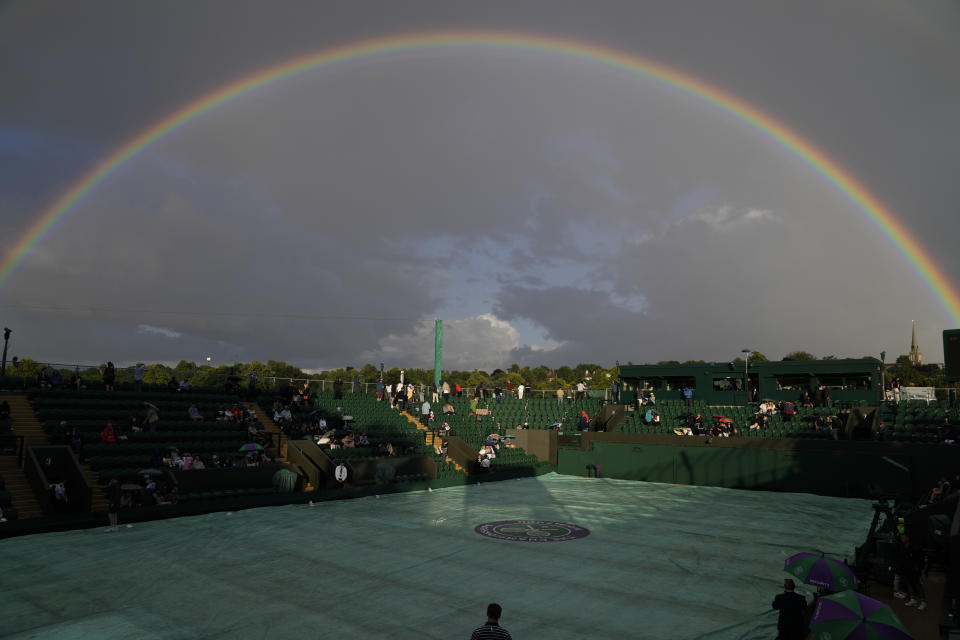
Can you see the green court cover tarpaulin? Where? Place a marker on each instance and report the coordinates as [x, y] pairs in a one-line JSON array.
[[660, 561]]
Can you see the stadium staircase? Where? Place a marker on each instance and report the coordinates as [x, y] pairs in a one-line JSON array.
[[24, 423], [279, 448], [431, 439]]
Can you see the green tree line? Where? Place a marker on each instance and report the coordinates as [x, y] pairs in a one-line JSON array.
[[541, 377]]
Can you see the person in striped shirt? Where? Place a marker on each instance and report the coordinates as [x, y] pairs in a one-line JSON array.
[[492, 629]]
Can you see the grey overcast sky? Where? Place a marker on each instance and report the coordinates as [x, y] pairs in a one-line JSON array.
[[549, 209]]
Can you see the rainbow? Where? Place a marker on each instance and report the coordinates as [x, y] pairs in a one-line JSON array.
[[874, 210]]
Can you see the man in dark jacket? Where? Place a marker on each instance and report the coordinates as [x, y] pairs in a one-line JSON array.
[[792, 624]]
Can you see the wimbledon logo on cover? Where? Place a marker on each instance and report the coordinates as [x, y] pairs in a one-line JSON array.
[[531, 530]]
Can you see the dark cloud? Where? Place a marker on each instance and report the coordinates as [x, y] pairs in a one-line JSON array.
[[547, 208]]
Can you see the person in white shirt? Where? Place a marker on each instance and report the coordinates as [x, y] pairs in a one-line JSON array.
[[340, 474]]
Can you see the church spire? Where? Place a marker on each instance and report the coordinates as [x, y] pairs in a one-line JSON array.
[[916, 357]]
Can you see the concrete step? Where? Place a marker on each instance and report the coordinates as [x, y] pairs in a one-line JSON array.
[[279, 437]]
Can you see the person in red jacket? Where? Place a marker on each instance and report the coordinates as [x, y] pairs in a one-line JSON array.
[[108, 435]]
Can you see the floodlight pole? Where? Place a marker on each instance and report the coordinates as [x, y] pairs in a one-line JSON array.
[[746, 373], [883, 382], [6, 341]]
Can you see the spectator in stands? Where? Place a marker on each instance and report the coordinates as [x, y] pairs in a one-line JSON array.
[[792, 623], [184, 386], [108, 435], [173, 384], [133, 423], [425, 414], [883, 431], [521, 388], [76, 440], [4, 410], [940, 491], [768, 407], [338, 388], [949, 434], [120, 433], [76, 380], [363, 440], [789, 410], [152, 421], [491, 630], [138, 377], [459, 390], [109, 375], [379, 389], [442, 450], [283, 417], [194, 413], [448, 409], [560, 396], [498, 393], [58, 433], [581, 390], [434, 393], [445, 387], [170, 497], [56, 379]]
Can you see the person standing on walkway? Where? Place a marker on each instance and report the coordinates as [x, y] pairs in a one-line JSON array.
[[109, 375], [113, 503], [138, 377], [792, 606], [491, 630]]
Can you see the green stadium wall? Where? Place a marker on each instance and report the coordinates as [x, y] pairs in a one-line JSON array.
[[852, 469]]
